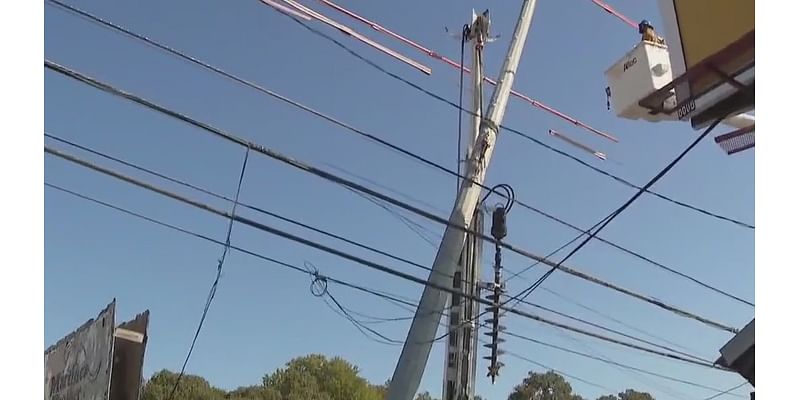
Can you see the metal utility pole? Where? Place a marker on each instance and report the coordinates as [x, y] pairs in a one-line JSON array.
[[414, 357], [462, 341]]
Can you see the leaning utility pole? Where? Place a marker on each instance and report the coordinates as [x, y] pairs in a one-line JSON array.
[[414, 357], [462, 342]]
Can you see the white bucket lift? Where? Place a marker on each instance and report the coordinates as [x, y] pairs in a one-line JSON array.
[[646, 69], [643, 70]]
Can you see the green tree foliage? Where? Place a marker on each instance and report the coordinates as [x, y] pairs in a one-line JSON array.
[[629, 394], [192, 387], [608, 397], [547, 386], [254, 393], [316, 377]]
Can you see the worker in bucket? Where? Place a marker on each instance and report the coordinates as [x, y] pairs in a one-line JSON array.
[[649, 33]]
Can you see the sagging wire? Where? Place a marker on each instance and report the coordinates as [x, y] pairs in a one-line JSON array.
[[213, 291], [319, 288]]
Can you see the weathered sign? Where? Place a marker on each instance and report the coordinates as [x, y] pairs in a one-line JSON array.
[[78, 367]]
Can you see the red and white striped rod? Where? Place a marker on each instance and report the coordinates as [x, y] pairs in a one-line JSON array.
[[454, 64], [615, 13], [577, 144], [286, 10], [355, 35]]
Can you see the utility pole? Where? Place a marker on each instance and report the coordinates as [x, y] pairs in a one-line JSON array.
[[414, 356], [462, 341]]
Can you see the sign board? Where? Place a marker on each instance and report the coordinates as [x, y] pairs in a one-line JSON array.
[[698, 31], [78, 367], [130, 339]]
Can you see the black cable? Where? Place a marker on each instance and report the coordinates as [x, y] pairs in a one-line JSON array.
[[389, 297], [131, 34], [411, 224], [605, 360], [346, 183], [614, 331], [727, 391], [525, 293], [312, 269], [610, 362], [348, 256], [515, 131], [213, 291], [519, 133], [612, 319], [638, 377]]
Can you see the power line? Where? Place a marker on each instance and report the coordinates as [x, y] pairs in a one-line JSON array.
[[727, 391], [405, 152], [243, 204], [315, 274], [525, 293], [639, 377], [581, 162], [515, 131], [611, 318], [611, 362], [346, 183], [213, 290], [617, 332], [348, 256]]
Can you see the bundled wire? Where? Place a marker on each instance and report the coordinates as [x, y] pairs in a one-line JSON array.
[[177, 53], [344, 182]]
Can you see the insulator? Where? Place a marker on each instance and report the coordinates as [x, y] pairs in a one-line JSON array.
[[499, 229], [493, 297], [488, 345]]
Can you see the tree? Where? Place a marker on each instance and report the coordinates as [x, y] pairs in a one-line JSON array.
[[316, 377], [424, 396], [547, 386], [191, 387], [629, 394], [254, 393]]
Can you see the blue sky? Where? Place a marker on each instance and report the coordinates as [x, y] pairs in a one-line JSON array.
[[264, 315]]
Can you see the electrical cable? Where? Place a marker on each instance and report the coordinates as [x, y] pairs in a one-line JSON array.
[[610, 362], [618, 179], [525, 293], [344, 182], [638, 377], [242, 204], [411, 224], [397, 148], [213, 290], [348, 256], [515, 131], [506, 188], [616, 320], [614, 331], [727, 391], [389, 297], [453, 64]]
